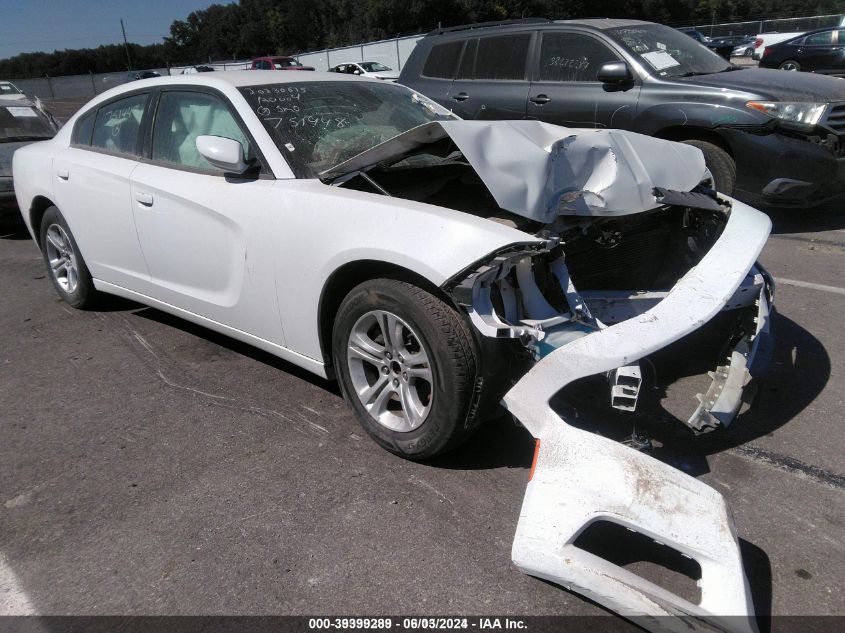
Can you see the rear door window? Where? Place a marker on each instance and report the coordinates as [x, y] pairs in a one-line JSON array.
[[820, 39], [116, 128], [572, 57], [467, 68], [502, 57]]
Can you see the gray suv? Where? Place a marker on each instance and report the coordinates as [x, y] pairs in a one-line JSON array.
[[767, 136]]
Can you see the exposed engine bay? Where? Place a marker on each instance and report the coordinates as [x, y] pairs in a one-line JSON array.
[[627, 250]]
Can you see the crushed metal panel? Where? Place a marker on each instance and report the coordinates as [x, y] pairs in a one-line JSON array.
[[581, 477], [539, 171]]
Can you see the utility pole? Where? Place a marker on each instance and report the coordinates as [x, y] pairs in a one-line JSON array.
[[125, 45]]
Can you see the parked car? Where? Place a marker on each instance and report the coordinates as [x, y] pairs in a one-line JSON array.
[[358, 230], [22, 122], [744, 48], [190, 70], [135, 75], [8, 90], [821, 51], [366, 69], [764, 40], [716, 45], [278, 63], [772, 138]]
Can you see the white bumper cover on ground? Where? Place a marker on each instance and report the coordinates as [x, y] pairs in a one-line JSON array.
[[581, 478]]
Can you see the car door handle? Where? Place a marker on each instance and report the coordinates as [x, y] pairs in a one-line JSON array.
[[144, 198], [540, 99], [64, 174], [461, 96]]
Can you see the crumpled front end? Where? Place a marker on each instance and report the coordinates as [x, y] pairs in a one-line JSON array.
[[581, 478]]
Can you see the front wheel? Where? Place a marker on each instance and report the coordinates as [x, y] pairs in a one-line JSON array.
[[790, 64], [65, 265], [407, 364], [720, 164]]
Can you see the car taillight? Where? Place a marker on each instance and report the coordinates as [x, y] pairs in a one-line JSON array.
[[767, 51], [758, 42]]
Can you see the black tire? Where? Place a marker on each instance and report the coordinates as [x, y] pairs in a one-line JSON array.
[[720, 164], [82, 294], [447, 341], [789, 65]]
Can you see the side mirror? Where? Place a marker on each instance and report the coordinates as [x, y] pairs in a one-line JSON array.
[[357, 72], [223, 153], [614, 73]]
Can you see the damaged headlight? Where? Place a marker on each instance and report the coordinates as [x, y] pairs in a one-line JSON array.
[[791, 111]]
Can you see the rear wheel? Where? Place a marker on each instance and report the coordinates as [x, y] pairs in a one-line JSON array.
[[790, 64], [406, 363], [720, 164], [65, 265]]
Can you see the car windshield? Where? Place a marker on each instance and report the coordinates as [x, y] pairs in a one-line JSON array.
[[318, 125], [667, 52], [8, 89], [373, 67], [23, 123], [285, 63]]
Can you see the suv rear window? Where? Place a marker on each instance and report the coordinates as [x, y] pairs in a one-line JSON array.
[[502, 57], [442, 60]]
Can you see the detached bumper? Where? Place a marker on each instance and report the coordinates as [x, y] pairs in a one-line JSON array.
[[581, 478]]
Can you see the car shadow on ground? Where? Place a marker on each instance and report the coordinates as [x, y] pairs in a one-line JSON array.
[[828, 217], [233, 345], [12, 226], [798, 360]]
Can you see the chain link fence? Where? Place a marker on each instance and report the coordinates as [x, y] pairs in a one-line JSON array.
[[781, 25]]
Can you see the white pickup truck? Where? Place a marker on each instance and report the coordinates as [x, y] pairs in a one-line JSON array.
[[767, 39]]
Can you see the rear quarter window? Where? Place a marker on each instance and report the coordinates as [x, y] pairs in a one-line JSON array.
[[442, 60], [118, 123], [83, 129]]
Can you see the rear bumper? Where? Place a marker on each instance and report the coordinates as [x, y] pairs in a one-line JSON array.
[[581, 478]]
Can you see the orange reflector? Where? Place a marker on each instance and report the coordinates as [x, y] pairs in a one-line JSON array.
[[534, 461]]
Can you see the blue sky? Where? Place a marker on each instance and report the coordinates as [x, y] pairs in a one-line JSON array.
[[48, 25]]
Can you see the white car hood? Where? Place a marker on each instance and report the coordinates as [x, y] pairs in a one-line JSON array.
[[539, 171]]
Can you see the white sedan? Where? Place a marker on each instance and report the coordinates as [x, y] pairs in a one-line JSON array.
[[329, 221], [435, 267], [376, 70]]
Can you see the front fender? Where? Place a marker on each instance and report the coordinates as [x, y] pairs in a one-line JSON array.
[[652, 119], [322, 228]]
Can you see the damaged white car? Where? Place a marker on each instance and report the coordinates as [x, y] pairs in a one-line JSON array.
[[437, 268]]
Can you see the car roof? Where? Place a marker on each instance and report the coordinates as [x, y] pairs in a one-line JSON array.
[[241, 78], [806, 33], [594, 23]]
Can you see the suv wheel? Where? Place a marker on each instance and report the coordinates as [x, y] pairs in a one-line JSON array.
[[720, 164]]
